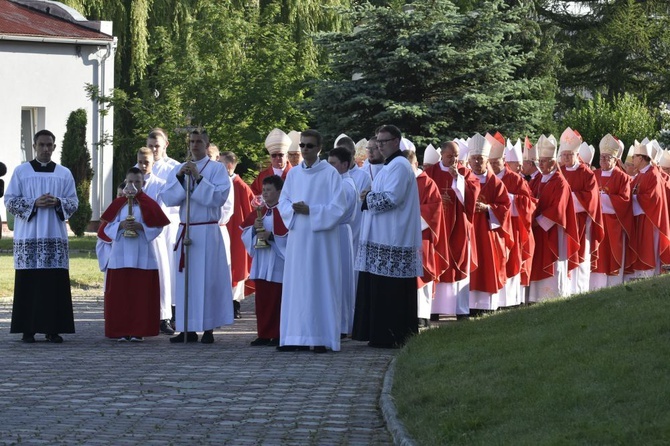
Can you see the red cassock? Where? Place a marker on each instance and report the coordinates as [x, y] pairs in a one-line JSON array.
[[611, 250], [534, 183], [584, 185], [132, 295], [257, 185], [491, 245], [457, 221], [521, 254], [240, 262], [268, 294], [555, 203], [435, 260], [649, 188]]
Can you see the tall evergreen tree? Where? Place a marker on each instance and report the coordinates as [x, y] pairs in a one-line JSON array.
[[613, 46], [435, 71], [76, 157]]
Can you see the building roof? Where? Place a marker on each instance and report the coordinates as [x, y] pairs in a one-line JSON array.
[[46, 20]]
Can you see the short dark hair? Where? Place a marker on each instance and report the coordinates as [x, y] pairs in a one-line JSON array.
[[275, 180], [156, 132], [347, 143], [134, 170], [341, 153], [228, 157], [201, 132], [391, 129], [315, 134], [43, 132]]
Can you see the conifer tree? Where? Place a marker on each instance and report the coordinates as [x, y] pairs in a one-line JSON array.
[[76, 157]]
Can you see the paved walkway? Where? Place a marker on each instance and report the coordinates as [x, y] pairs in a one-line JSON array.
[[92, 390]]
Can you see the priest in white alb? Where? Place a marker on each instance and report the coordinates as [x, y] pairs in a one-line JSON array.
[[210, 296]]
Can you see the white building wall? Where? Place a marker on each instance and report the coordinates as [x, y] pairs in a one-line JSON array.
[[52, 77]]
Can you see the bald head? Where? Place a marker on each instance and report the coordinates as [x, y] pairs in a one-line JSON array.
[[449, 151]]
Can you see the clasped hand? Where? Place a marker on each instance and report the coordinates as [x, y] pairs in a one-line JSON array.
[[46, 201]]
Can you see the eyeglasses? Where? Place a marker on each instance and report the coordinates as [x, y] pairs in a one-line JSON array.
[[277, 155], [309, 145], [384, 141]]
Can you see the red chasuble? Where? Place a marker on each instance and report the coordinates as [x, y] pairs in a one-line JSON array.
[[611, 250], [491, 245], [555, 203], [257, 185], [584, 185], [650, 191], [457, 221], [435, 252], [240, 262], [520, 257]]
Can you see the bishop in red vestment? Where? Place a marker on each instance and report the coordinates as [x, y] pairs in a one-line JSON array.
[[460, 189]]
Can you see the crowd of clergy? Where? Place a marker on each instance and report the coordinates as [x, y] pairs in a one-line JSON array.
[[501, 225], [360, 240]]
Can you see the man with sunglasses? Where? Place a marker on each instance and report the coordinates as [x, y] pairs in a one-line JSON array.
[[277, 144], [312, 205]]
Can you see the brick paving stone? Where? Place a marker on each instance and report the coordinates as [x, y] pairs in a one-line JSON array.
[[92, 390]]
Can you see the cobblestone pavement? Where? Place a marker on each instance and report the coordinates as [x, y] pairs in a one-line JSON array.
[[92, 390]]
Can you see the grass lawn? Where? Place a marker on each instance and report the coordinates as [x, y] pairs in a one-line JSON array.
[[85, 275], [593, 369]]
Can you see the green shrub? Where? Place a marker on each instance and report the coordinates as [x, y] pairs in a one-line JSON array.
[[625, 117], [76, 157]]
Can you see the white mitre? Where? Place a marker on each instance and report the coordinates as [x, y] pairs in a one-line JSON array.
[[430, 155], [586, 153], [643, 149], [277, 142], [497, 148], [295, 140], [570, 141], [406, 144], [463, 148], [513, 152], [609, 145], [479, 145], [546, 147]]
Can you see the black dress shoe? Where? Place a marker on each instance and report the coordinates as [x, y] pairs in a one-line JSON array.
[[320, 349], [273, 342], [55, 338], [28, 338], [259, 341], [208, 337], [166, 328], [191, 337], [236, 308], [293, 348]]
